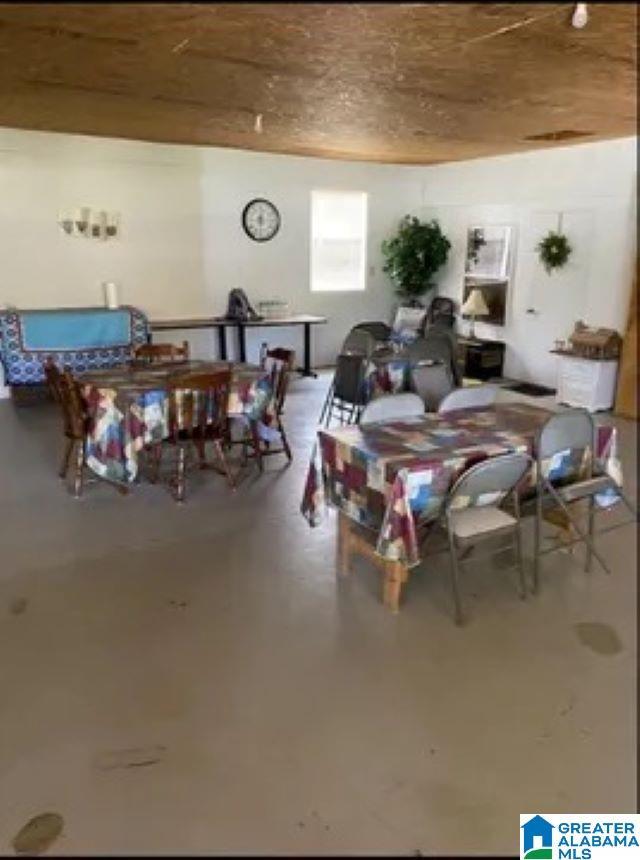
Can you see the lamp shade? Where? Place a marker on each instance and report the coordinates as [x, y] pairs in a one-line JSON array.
[[475, 305]]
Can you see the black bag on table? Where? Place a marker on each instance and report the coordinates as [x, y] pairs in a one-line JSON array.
[[239, 307]]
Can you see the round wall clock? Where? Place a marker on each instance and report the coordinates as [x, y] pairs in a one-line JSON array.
[[260, 219]]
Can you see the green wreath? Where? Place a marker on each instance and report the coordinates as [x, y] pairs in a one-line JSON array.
[[554, 251]]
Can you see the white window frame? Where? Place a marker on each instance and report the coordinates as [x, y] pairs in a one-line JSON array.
[[365, 241]]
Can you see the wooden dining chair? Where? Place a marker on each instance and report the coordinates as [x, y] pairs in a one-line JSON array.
[[157, 352], [65, 390], [52, 378], [197, 414], [75, 429], [281, 363], [73, 424]]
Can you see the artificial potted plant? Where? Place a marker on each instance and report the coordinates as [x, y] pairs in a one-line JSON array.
[[413, 256]]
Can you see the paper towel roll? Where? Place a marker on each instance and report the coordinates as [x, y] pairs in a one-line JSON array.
[[110, 295]]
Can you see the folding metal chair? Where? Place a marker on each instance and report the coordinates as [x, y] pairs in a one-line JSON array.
[[346, 392], [380, 331], [569, 438], [471, 397], [392, 406], [472, 511], [432, 381], [437, 344], [359, 341]]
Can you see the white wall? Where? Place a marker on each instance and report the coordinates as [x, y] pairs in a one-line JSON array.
[[280, 268], [182, 247], [157, 261], [594, 186]]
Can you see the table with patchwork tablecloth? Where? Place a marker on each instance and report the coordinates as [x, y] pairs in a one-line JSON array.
[[128, 409], [388, 375], [389, 476], [391, 374]]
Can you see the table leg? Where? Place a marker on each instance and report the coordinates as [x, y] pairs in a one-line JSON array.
[[343, 555], [351, 541], [305, 370], [394, 576], [242, 342], [222, 342]]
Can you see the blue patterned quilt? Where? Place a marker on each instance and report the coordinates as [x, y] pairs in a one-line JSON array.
[[78, 338]]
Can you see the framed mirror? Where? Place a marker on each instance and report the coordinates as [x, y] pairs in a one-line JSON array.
[[488, 252]]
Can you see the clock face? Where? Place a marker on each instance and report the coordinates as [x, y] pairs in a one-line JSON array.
[[261, 220]]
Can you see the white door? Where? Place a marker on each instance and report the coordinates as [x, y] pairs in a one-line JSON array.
[[550, 304]]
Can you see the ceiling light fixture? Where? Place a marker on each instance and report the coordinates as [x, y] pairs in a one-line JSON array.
[[580, 16]]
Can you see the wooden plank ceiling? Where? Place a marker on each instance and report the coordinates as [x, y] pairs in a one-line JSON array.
[[405, 83]]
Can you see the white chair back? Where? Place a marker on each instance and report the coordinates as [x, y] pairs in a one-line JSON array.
[[472, 397], [390, 407]]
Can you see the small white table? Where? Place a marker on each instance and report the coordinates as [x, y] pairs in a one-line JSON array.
[[586, 382]]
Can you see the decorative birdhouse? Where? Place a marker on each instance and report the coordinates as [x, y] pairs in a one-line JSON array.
[[595, 342]]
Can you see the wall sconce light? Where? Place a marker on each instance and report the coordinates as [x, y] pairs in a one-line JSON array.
[[580, 16], [84, 222], [112, 225]]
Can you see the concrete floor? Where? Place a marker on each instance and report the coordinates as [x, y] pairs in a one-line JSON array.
[[194, 680]]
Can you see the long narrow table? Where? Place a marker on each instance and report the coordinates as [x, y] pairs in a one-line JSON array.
[[222, 323]]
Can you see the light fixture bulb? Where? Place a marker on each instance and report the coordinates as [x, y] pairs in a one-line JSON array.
[[580, 16]]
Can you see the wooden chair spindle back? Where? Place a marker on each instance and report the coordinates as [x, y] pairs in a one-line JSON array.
[[73, 409], [156, 352], [198, 404], [53, 378], [283, 364]]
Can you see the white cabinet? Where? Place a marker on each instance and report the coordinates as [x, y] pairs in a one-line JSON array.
[[586, 382]]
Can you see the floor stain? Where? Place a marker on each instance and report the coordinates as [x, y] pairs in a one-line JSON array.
[[179, 604], [544, 736], [38, 833], [320, 820], [567, 708], [130, 758], [18, 605], [600, 638]]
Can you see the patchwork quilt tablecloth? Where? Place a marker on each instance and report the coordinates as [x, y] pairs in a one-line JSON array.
[[388, 476], [387, 376], [128, 409]]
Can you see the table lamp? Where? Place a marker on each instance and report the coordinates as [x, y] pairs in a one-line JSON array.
[[475, 306]]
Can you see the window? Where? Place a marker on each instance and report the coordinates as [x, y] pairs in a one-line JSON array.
[[338, 240]]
